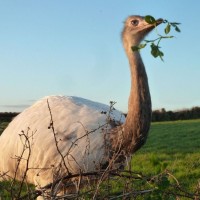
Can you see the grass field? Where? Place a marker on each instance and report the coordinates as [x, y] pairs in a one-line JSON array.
[[174, 146]]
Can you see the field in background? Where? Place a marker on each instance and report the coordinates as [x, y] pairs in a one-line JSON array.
[[173, 146]]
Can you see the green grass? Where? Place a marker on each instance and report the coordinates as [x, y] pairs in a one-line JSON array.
[[174, 146]]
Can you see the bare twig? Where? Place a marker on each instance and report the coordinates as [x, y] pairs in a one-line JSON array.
[[54, 134]]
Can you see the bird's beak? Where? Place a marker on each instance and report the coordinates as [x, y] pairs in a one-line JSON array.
[[146, 29], [159, 21]]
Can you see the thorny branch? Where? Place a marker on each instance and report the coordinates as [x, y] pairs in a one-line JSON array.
[[126, 175], [54, 134], [26, 140]]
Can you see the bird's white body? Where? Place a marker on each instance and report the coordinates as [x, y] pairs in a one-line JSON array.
[[74, 122]]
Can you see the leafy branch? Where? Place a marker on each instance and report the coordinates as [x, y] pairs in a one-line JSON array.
[[155, 43]]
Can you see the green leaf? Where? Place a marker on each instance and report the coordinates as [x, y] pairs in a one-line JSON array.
[[155, 51], [165, 21], [135, 48], [161, 54], [168, 28], [177, 29], [149, 19], [141, 46], [175, 23]]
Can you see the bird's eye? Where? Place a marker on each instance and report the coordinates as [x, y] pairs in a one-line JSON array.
[[135, 22]]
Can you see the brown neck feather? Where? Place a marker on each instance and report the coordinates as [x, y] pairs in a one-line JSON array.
[[129, 137], [138, 119], [133, 133]]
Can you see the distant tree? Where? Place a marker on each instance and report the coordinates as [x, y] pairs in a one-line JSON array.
[[7, 116]]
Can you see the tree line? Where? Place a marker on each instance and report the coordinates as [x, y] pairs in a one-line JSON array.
[[157, 115], [184, 114], [7, 116]]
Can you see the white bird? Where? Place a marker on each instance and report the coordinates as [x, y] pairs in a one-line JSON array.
[[59, 135]]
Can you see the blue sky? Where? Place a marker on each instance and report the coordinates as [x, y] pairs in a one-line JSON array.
[[74, 48]]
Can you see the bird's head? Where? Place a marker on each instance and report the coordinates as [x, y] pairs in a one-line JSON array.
[[136, 28]]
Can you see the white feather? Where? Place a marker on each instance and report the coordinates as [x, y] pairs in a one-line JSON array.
[[73, 117]]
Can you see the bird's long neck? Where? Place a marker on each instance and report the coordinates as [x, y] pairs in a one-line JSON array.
[[138, 119]]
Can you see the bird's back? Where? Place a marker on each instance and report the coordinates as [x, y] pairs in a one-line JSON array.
[[79, 127]]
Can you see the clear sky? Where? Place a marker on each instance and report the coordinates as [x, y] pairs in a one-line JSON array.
[[74, 47]]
